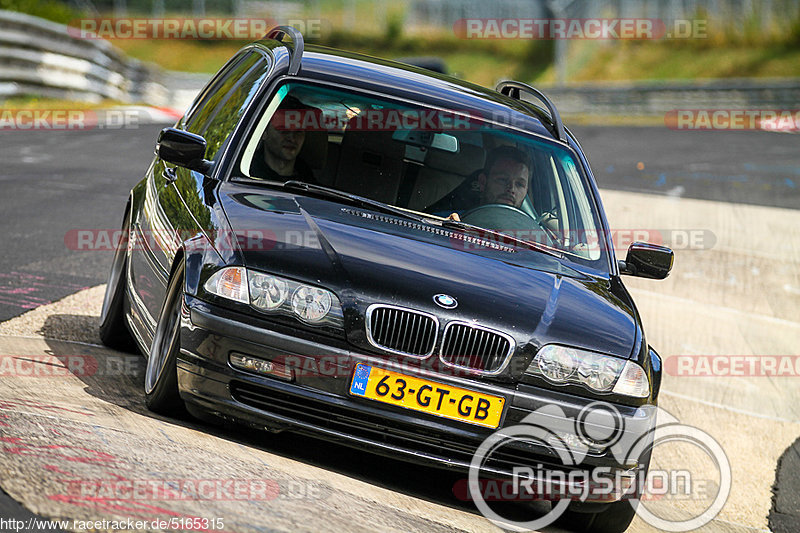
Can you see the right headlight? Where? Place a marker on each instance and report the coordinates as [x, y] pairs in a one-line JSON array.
[[600, 373], [275, 294]]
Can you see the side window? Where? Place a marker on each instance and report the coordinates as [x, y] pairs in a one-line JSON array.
[[222, 111], [212, 87]]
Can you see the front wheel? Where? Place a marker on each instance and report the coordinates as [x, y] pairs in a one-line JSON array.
[[598, 518], [113, 329], [614, 517], [161, 375]]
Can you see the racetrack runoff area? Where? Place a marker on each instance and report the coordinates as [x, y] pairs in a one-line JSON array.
[[736, 298]]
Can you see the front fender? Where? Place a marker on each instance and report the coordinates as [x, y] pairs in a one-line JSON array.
[[655, 373]]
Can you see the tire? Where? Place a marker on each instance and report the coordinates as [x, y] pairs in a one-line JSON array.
[[114, 331], [603, 517], [161, 374], [598, 518], [615, 518]]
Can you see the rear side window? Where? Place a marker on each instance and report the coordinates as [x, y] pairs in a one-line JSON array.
[[217, 115], [212, 87]]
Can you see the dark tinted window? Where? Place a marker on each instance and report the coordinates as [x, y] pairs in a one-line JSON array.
[[212, 87], [219, 114]]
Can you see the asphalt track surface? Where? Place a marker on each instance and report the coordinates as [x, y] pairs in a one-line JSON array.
[[748, 167], [56, 182]]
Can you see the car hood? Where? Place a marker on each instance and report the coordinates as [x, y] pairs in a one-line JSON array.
[[366, 257]]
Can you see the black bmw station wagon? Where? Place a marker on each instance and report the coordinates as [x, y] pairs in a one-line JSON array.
[[372, 253]]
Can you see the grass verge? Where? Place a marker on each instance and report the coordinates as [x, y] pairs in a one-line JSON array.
[[529, 62]]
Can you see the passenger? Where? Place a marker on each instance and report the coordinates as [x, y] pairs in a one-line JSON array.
[[277, 156]]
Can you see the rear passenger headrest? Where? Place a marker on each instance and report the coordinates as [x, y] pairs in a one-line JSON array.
[[468, 159]]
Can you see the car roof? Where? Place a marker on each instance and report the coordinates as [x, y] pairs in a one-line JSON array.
[[415, 83]]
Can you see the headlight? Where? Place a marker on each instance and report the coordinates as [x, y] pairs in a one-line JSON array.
[[311, 303], [268, 291], [274, 294], [557, 364], [598, 372]]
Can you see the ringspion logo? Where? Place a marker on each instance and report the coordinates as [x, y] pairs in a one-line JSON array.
[[600, 428]]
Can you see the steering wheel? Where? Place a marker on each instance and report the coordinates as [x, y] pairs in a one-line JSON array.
[[508, 219]]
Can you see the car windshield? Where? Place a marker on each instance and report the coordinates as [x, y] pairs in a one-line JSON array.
[[431, 161]]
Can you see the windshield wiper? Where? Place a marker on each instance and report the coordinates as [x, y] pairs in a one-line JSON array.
[[463, 226], [327, 192]]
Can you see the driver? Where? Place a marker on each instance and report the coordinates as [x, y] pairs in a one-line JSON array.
[[504, 179]]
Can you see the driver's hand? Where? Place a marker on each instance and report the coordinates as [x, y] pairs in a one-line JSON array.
[[454, 217]]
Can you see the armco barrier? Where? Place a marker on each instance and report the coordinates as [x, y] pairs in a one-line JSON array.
[[658, 98], [41, 57]]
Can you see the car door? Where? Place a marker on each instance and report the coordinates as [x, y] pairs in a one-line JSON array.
[[192, 192], [174, 205]]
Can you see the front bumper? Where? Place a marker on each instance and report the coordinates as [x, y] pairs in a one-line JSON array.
[[317, 401]]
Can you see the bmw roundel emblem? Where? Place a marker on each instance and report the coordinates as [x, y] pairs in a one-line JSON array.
[[445, 300]]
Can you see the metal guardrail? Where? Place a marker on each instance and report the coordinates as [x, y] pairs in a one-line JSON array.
[[42, 57], [650, 99]]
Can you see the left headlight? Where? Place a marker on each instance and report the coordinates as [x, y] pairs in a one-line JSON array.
[[600, 373], [275, 294]]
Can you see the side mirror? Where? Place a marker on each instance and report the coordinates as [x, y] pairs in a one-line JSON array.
[[183, 149], [647, 261]]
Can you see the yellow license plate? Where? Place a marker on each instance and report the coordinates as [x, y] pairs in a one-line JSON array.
[[427, 396]]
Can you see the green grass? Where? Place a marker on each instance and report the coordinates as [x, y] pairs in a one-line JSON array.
[[751, 50], [40, 102], [754, 48], [662, 60], [484, 65], [183, 55]]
